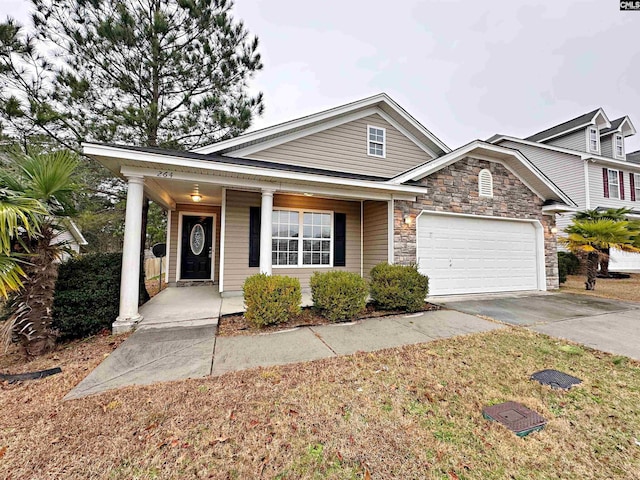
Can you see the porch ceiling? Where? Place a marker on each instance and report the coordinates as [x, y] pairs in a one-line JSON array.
[[181, 191]]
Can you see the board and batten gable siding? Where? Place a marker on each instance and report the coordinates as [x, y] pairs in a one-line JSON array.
[[565, 170], [174, 233], [344, 149], [575, 141], [236, 261], [596, 190], [375, 235]]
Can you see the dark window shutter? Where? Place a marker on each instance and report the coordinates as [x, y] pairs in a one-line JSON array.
[[254, 236], [621, 185], [632, 186], [339, 239], [605, 181]]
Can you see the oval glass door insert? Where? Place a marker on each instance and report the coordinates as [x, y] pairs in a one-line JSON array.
[[197, 239]]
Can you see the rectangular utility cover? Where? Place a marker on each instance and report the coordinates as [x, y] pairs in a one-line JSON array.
[[516, 417]]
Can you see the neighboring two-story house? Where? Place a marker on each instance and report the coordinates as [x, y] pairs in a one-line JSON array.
[[586, 157]]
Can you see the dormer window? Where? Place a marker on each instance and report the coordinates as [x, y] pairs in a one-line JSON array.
[[594, 140], [618, 146], [376, 141]]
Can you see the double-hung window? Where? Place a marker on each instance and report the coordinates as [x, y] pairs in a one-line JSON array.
[[636, 185], [594, 141], [376, 144], [619, 146], [614, 184], [301, 238]]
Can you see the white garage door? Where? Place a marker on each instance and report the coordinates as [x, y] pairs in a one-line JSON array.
[[624, 261], [476, 255]]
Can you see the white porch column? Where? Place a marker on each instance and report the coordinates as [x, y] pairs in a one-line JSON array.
[[129, 286], [265, 230]]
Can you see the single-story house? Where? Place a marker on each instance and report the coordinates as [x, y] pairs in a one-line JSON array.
[[346, 188]]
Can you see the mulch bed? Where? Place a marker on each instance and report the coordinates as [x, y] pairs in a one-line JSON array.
[[236, 324]]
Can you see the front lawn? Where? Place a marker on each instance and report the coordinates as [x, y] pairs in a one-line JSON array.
[[619, 289], [411, 412]]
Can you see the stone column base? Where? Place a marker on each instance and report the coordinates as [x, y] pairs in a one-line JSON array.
[[124, 325]]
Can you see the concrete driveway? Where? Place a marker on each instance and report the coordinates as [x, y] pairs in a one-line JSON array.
[[609, 325]]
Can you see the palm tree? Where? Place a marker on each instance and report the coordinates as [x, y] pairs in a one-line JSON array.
[[615, 214], [594, 237], [48, 179]]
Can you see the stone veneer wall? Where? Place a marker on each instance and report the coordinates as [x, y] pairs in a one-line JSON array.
[[455, 189]]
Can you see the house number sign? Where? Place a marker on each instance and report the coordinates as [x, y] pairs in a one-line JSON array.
[[164, 174], [197, 239]]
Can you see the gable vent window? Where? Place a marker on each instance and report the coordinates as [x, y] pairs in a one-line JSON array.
[[485, 183], [619, 146], [376, 141]]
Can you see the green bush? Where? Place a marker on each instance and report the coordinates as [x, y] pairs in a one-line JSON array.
[[398, 287], [568, 264], [271, 299], [87, 295], [339, 295]]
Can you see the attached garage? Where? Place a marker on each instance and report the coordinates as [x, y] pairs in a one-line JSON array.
[[474, 254]]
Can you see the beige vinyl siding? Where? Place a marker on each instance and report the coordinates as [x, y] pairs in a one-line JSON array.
[[344, 148], [565, 170], [606, 146], [596, 189], [174, 235], [574, 141], [236, 266], [376, 235]]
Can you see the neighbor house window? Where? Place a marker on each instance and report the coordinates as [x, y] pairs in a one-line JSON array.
[[376, 141], [594, 142], [619, 146], [315, 247], [485, 183], [614, 184], [636, 187]]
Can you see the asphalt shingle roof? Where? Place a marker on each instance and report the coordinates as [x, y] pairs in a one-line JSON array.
[[614, 126], [563, 127], [634, 157]]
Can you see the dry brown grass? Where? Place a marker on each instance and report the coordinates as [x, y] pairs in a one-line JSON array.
[[619, 289], [412, 412]]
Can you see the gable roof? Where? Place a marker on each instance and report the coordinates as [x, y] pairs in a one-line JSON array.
[[512, 159], [381, 104], [569, 126], [622, 124]]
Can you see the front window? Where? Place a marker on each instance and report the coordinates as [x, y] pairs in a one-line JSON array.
[[619, 146], [315, 247], [593, 139], [614, 184], [636, 182], [376, 142]]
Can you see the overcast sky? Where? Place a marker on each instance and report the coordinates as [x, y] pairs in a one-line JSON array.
[[465, 69]]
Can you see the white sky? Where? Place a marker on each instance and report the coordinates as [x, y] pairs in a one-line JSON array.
[[465, 69]]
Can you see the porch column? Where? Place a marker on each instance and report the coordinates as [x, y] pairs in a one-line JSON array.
[[265, 230], [129, 288]]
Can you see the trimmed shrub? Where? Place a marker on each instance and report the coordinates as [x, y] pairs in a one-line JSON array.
[[339, 295], [398, 287], [568, 264], [271, 299], [87, 295]]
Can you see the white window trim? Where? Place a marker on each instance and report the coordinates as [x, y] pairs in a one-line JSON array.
[[301, 212], [615, 146], [609, 170], [589, 129], [384, 142], [636, 184], [480, 194]]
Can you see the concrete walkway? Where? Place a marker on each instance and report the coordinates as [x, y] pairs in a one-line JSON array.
[[173, 353]]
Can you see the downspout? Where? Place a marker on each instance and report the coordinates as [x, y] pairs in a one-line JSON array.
[[587, 196], [361, 238]]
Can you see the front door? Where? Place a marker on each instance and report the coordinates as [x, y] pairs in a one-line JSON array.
[[197, 249]]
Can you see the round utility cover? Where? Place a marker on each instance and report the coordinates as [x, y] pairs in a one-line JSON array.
[[197, 239]]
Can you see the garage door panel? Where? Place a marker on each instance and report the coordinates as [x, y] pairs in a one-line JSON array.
[[476, 255]]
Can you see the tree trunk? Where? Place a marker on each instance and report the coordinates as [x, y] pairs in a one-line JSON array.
[[34, 304], [592, 270], [143, 295], [604, 262]]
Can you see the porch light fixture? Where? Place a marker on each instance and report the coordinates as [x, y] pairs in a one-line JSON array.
[[195, 196], [554, 230], [308, 194], [408, 219]]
